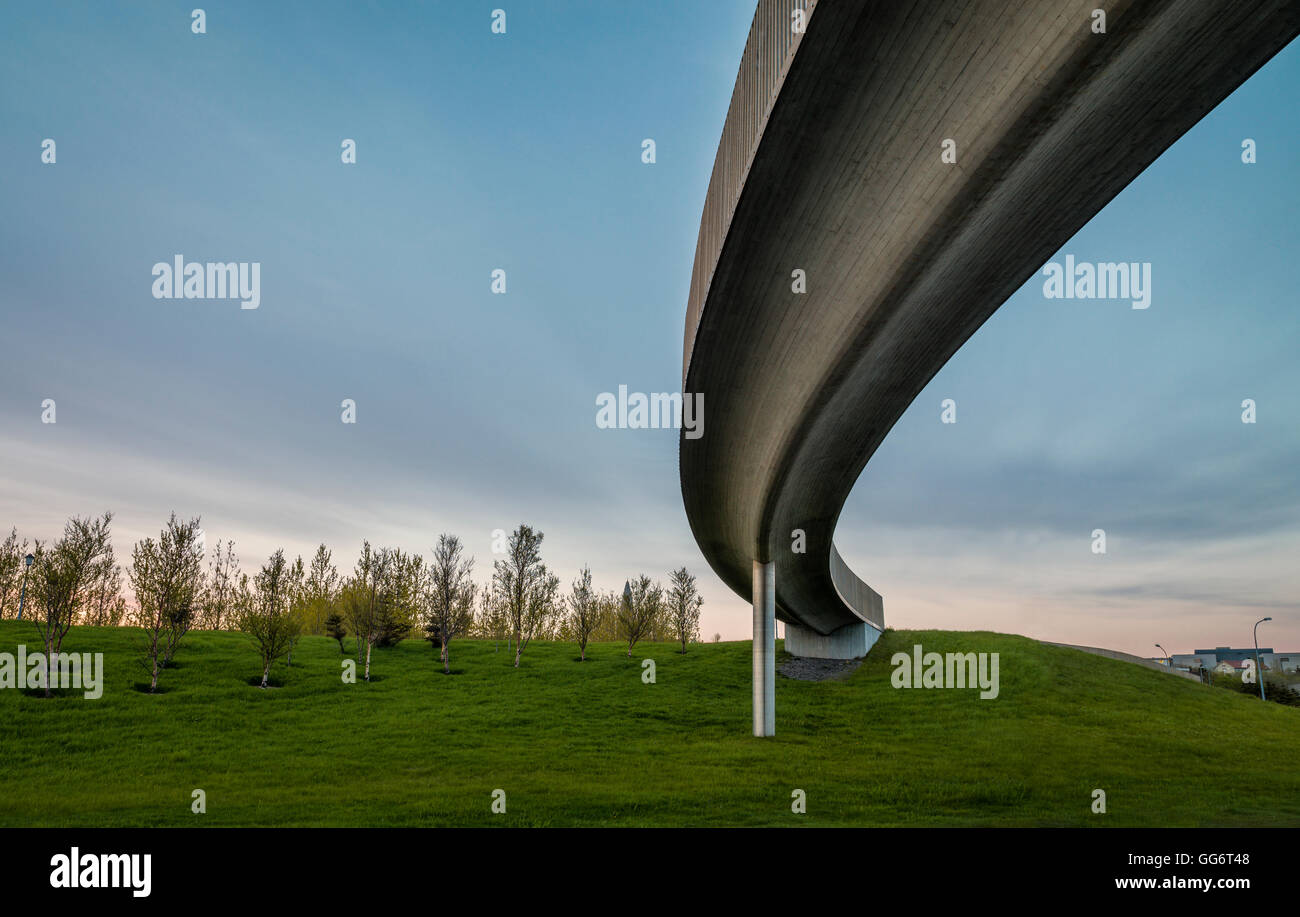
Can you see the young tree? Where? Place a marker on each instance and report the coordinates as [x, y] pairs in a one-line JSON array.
[[525, 588], [241, 601], [684, 601], [402, 588], [105, 606], [364, 598], [62, 578], [268, 618], [448, 595], [222, 583], [167, 577], [607, 626], [187, 614], [491, 621], [336, 629], [541, 609], [642, 604], [297, 604], [11, 573], [320, 590], [584, 611]]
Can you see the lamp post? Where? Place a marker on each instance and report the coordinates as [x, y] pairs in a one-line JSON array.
[[22, 595], [1167, 656], [1259, 669]]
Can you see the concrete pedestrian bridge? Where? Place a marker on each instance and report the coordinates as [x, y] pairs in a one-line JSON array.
[[832, 163]]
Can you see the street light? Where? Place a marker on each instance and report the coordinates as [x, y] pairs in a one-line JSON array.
[[1259, 669], [1167, 656], [27, 565]]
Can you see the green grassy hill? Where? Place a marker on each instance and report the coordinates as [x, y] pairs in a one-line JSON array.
[[589, 744]]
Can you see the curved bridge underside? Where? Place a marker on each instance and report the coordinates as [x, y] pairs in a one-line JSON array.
[[905, 256]]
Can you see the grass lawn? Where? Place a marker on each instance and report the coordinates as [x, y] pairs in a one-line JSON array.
[[589, 744]]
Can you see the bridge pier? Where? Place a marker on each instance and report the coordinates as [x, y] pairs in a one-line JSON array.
[[764, 649]]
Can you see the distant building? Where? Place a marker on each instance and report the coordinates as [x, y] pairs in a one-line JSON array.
[[1280, 662], [1231, 667], [1269, 659], [1221, 653], [1190, 662]]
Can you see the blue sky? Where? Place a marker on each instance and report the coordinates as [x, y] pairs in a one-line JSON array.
[[476, 411]]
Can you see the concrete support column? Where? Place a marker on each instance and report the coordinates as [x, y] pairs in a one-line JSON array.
[[764, 649]]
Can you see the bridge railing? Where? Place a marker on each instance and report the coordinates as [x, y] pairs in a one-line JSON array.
[[773, 40], [855, 593]]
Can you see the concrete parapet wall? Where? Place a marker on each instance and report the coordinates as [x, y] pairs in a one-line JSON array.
[[852, 641], [1123, 657]]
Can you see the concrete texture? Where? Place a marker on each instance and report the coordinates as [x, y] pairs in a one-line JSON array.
[[852, 641], [764, 650], [906, 256]]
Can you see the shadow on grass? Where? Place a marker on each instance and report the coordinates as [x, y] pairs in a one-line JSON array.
[[55, 692], [143, 688], [272, 682]]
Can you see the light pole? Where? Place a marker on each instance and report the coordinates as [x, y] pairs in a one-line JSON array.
[[27, 565], [1259, 669], [1167, 656]]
